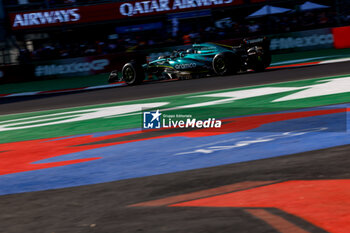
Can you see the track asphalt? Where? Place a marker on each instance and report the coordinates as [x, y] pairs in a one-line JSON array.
[[249, 197], [108, 207], [64, 100]]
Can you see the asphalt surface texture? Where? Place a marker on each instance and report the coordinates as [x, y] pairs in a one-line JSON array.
[[107, 207], [157, 89]]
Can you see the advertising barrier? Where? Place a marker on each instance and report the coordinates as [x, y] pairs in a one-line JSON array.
[[79, 66], [110, 11], [16, 73], [302, 40], [73, 66], [83, 65], [341, 37]]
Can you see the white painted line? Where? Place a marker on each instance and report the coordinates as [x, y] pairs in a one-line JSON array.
[[296, 61], [23, 94], [104, 86], [335, 60]]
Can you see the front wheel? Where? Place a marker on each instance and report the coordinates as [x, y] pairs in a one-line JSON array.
[[133, 73]]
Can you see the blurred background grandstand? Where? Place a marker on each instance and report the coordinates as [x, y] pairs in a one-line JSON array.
[[42, 30]]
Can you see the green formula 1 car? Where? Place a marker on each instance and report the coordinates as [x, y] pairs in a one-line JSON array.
[[200, 60]]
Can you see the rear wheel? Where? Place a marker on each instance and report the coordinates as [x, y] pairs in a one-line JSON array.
[[225, 64], [260, 60], [133, 73]]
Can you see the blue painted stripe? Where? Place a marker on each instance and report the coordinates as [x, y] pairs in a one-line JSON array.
[[160, 156]]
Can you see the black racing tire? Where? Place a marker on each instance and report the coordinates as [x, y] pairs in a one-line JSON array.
[[113, 76], [225, 64], [133, 73], [260, 62]]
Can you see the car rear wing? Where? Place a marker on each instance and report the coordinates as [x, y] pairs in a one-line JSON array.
[[261, 41]]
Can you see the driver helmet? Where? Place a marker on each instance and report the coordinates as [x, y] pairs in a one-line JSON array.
[[190, 50]]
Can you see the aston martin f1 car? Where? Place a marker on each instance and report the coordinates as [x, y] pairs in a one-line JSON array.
[[200, 60]]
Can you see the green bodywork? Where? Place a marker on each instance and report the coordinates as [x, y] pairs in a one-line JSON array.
[[196, 59], [201, 60]]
